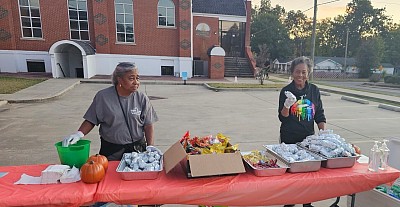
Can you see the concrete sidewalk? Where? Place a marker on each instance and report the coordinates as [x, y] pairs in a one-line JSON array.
[[46, 90]]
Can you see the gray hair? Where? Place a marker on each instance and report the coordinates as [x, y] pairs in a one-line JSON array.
[[301, 60], [121, 70]]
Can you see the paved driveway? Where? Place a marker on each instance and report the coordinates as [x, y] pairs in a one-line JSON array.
[[28, 131]]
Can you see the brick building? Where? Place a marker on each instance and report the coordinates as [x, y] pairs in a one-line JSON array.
[[83, 38]]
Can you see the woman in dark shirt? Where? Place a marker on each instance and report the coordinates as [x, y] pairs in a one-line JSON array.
[[299, 111]]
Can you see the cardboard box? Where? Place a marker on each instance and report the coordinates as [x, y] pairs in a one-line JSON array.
[[205, 164]]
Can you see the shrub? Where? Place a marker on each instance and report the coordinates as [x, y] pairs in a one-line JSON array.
[[392, 79], [396, 79], [388, 79], [375, 77]]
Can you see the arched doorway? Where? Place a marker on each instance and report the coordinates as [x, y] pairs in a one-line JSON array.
[[69, 59]]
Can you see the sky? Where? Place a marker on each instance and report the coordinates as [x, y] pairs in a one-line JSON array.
[[335, 8]]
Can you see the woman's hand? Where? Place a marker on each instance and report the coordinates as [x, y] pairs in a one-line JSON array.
[[290, 100], [72, 139]]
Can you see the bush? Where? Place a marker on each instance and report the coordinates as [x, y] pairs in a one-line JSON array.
[[388, 79], [392, 79], [375, 77], [396, 79]]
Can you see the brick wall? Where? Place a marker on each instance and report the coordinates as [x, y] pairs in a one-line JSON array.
[[216, 67], [55, 27], [149, 38], [7, 38], [202, 44]]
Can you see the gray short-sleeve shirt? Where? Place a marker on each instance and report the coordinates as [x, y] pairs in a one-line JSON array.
[[105, 111]]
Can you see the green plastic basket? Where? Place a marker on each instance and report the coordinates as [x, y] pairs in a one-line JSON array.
[[75, 154]]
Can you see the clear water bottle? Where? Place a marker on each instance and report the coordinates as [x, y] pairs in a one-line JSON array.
[[374, 158], [384, 155]]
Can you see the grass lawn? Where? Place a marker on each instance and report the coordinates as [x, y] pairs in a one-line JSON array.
[[9, 85]]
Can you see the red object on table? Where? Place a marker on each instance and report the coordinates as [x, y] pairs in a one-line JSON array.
[[71, 194], [242, 189]]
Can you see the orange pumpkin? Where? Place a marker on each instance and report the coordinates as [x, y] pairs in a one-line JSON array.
[[99, 159], [92, 172]]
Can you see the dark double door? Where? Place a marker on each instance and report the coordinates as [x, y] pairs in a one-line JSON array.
[[232, 37]]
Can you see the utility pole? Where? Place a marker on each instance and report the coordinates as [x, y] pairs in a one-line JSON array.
[[313, 40], [345, 52]]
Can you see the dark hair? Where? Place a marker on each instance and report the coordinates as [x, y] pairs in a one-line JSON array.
[[301, 60], [121, 70]]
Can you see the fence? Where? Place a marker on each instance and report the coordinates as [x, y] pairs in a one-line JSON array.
[[335, 75]]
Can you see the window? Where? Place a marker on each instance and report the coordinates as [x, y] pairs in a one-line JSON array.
[[124, 21], [167, 70], [166, 13], [78, 19], [30, 18], [35, 66]]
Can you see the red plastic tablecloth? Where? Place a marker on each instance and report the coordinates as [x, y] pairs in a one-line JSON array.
[[241, 190], [71, 194]]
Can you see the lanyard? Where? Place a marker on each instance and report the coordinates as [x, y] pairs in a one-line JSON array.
[[123, 112]]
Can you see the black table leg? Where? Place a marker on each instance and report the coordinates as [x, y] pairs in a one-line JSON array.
[[335, 204], [353, 199]]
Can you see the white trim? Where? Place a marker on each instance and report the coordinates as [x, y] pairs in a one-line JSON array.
[[142, 56], [55, 45], [223, 17], [25, 52], [98, 64], [217, 51], [147, 65], [14, 61]]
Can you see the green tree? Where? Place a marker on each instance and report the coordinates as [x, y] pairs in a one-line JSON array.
[[363, 20], [300, 28], [392, 47], [267, 28], [323, 42], [338, 33], [369, 55], [265, 6]]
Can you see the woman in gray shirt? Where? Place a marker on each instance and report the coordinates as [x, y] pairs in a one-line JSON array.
[[125, 115]]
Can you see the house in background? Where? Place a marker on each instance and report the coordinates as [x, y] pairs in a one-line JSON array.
[[335, 64], [282, 65], [324, 67], [84, 38], [335, 67], [322, 64]]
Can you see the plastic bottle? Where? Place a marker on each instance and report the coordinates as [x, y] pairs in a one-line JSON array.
[[374, 158], [384, 156]]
